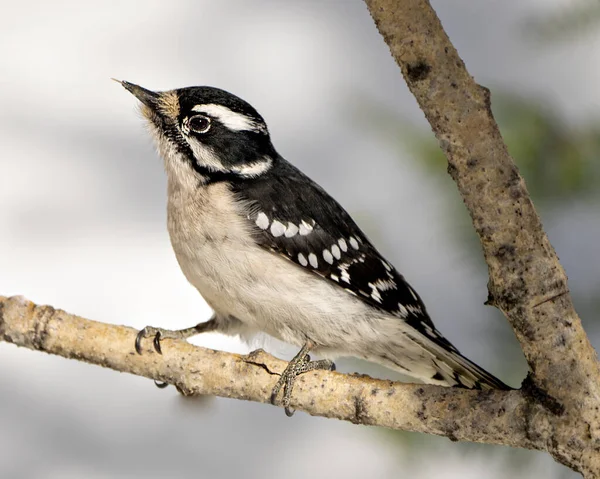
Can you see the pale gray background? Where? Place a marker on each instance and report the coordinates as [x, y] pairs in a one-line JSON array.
[[82, 220]]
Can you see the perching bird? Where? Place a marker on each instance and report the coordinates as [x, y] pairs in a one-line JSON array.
[[270, 251]]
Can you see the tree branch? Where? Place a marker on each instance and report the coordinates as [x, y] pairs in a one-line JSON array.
[[496, 417], [526, 280]]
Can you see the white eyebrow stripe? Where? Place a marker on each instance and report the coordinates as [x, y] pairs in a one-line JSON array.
[[229, 118]]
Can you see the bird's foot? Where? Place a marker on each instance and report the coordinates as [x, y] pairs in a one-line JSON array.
[[159, 334], [183, 334], [299, 365]]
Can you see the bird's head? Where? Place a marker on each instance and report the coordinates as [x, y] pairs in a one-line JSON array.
[[206, 134]]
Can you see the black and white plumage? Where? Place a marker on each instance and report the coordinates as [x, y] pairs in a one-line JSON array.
[[295, 217], [271, 251]]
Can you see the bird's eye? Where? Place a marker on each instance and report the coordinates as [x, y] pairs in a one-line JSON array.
[[199, 124]]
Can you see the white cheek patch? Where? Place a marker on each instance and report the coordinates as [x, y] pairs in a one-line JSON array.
[[205, 156], [231, 119]]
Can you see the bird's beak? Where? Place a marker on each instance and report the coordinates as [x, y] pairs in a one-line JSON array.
[[147, 97]]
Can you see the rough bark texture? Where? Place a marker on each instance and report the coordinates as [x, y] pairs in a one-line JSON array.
[[496, 417], [526, 280], [558, 407]]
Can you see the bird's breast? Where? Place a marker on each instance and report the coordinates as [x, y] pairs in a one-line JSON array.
[[208, 236], [215, 249]]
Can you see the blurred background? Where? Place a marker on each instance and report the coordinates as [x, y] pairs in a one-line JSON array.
[[82, 214]]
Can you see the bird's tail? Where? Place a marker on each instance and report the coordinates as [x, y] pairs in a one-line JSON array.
[[453, 369], [425, 354], [456, 370]]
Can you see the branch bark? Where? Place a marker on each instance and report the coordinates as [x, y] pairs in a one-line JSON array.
[[558, 407], [496, 417], [526, 281]]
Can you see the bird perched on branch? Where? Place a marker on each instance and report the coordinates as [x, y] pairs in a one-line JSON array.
[[270, 251]]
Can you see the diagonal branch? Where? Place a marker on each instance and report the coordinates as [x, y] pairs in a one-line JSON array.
[[496, 417], [526, 281]]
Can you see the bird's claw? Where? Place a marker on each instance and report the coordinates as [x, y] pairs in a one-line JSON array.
[[146, 332], [156, 342]]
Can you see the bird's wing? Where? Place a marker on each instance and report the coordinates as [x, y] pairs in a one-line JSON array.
[[294, 217]]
